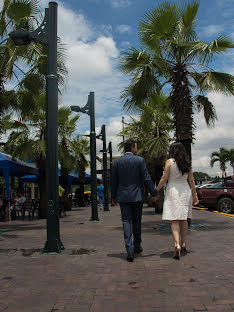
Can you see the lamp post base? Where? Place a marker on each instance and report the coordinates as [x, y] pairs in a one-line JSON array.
[[53, 246]]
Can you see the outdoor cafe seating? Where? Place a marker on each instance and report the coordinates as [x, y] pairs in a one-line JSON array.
[[29, 209]]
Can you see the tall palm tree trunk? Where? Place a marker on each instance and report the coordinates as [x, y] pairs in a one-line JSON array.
[[182, 107]]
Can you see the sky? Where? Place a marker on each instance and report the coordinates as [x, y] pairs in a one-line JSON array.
[[96, 32]]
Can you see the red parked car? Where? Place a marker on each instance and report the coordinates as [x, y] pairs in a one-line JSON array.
[[221, 197]]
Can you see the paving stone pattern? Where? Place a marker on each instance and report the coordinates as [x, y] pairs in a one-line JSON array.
[[93, 274]]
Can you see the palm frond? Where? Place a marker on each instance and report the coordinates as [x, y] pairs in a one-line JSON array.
[[201, 103], [205, 52], [188, 22], [158, 24], [214, 81]]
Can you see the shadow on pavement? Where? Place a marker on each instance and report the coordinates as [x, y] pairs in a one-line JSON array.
[[118, 255], [20, 227]]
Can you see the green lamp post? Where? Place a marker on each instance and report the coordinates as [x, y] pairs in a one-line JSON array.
[[102, 136], [89, 110], [46, 34]]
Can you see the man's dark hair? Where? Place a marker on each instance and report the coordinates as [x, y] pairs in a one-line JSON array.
[[128, 145]]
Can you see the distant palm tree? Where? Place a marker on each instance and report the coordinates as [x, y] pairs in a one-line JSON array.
[[222, 158], [231, 158], [172, 54], [66, 128], [81, 149], [29, 142]]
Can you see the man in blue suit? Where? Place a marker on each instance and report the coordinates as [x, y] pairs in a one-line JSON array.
[[129, 173]]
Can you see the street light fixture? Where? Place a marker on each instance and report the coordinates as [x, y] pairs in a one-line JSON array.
[[102, 136], [89, 110], [46, 34]]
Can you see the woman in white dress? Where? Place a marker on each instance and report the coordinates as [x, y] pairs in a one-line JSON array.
[[180, 194]]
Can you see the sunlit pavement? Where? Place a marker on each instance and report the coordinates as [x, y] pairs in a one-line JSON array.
[[93, 274]]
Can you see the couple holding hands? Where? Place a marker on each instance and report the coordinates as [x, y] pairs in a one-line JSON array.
[[129, 174]]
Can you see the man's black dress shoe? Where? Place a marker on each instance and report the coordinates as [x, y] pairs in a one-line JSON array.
[[130, 258], [138, 250]]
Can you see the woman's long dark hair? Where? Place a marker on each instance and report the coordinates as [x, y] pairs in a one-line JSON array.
[[178, 152]]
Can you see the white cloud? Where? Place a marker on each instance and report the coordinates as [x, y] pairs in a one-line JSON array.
[[211, 30], [123, 29], [120, 3], [91, 59]]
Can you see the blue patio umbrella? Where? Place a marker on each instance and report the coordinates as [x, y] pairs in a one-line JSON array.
[[14, 167]]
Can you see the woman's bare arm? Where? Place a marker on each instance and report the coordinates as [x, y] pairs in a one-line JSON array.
[[165, 176], [192, 185]]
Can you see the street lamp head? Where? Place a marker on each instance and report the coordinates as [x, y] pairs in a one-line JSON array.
[[75, 108], [20, 37]]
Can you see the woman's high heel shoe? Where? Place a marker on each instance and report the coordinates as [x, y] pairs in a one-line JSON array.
[[177, 253], [183, 248]]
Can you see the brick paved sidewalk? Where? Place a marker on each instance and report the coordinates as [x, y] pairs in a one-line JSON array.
[[102, 280]]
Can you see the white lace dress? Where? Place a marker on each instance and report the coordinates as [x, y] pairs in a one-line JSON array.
[[178, 198]]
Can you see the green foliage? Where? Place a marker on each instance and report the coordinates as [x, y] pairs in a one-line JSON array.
[[201, 176], [151, 131]]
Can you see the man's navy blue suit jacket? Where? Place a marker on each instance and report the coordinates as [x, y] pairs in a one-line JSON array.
[[129, 173]]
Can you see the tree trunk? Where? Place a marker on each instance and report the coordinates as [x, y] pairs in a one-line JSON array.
[[182, 104], [42, 187]]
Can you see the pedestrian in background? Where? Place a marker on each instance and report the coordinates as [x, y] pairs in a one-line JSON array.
[[100, 194]]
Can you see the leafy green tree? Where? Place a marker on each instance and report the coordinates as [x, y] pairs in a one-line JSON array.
[[173, 54], [200, 176]]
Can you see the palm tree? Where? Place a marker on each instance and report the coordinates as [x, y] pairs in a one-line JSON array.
[[29, 142], [172, 54], [222, 158], [151, 132], [15, 14], [81, 150], [66, 129], [231, 158], [22, 14]]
